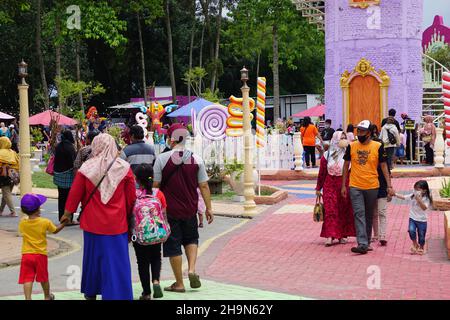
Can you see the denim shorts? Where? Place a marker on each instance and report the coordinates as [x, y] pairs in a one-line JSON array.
[[183, 232]]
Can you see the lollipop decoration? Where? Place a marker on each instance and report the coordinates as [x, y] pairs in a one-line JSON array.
[[260, 112], [213, 122], [235, 121], [446, 91]]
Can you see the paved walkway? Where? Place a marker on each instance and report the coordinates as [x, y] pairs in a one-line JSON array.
[[209, 290], [281, 251]]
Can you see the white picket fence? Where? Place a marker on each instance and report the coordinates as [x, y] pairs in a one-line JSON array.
[[278, 152]]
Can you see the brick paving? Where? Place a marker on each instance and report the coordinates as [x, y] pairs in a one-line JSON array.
[[284, 253]]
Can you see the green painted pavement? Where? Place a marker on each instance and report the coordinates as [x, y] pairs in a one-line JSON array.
[[210, 290]]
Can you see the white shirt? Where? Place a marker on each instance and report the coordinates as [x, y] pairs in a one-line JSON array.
[[416, 212]]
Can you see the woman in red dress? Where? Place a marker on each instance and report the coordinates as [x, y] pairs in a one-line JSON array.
[[338, 218]]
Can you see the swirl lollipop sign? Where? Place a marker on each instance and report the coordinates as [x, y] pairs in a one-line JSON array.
[[213, 122]]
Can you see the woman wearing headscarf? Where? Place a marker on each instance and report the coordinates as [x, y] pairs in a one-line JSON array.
[[9, 160], [104, 220], [65, 155], [338, 219], [428, 134]]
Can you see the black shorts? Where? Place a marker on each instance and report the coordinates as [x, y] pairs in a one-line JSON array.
[[183, 232]]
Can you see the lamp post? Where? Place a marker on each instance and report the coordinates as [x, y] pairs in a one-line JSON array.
[[249, 191], [24, 133]]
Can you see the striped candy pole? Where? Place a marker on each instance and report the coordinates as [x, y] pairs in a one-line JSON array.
[[260, 112], [446, 92]]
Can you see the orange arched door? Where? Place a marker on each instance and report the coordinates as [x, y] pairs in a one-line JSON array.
[[364, 100]]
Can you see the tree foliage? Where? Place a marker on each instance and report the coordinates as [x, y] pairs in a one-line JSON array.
[[109, 49]]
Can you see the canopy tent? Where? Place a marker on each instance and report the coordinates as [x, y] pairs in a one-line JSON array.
[[44, 118], [185, 111], [317, 111], [5, 116], [137, 104]]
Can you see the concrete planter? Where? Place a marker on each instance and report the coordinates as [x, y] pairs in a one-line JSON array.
[[277, 195], [440, 204]]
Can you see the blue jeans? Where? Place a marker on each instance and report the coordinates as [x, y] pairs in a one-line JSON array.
[[417, 227]]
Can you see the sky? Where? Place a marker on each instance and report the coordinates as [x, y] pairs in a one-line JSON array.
[[433, 8]]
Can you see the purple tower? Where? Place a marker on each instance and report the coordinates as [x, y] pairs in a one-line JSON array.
[[373, 59]]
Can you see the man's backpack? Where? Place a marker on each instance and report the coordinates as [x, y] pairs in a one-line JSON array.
[[391, 137], [149, 225]]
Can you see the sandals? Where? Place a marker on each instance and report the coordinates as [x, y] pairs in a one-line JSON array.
[[194, 280], [413, 250], [172, 288], [145, 297], [52, 297]]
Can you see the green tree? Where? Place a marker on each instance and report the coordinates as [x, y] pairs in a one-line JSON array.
[[442, 55]]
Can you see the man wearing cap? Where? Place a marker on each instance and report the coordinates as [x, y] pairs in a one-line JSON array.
[[178, 173], [364, 155]]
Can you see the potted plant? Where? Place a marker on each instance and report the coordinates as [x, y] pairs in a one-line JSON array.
[[36, 138], [235, 170], [215, 178]]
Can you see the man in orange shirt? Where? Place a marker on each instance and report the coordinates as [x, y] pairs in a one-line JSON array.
[[364, 155], [309, 133]]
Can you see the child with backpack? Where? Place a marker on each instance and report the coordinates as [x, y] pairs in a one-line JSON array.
[[149, 228], [34, 229], [420, 201]]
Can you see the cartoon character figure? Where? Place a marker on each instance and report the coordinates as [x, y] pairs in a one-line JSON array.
[[155, 112], [94, 121]]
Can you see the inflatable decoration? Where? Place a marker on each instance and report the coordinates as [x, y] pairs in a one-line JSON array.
[[94, 121], [141, 120], [260, 112], [235, 122], [213, 122], [155, 112], [446, 92]]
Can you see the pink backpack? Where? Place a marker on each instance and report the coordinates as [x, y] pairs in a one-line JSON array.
[[149, 224]]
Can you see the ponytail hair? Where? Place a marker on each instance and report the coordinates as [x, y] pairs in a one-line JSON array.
[[144, 176], [423, 184]]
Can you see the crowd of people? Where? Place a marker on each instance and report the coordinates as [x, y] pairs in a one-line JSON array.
[[355, 201], [397, 139], [126, 196], [131, 195]]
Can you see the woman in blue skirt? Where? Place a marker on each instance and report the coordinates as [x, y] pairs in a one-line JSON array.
[[106, 261]]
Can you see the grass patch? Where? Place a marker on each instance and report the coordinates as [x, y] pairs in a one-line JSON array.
[[43, 180], [227, 194]]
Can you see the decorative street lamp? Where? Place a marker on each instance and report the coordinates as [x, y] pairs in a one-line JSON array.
[[24, 132], [249, 191]]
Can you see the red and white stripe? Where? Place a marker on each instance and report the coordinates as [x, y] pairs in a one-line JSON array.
[[446, 92]]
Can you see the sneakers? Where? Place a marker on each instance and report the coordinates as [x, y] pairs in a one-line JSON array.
[[359, 249], [157, 292]]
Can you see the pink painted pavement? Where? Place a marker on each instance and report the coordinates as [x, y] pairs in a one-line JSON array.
[[283, 252]]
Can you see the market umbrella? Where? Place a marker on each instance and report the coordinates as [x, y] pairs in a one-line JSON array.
[[45, 117], [5, 116], [316, 111], [185, 111]]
